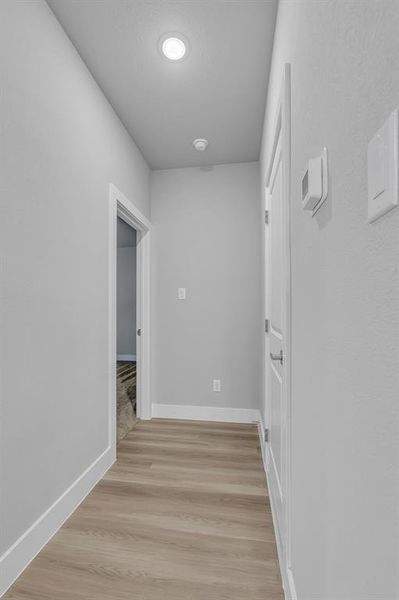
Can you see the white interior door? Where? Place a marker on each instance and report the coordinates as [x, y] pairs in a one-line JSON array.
[[276, 349], [278, 315]]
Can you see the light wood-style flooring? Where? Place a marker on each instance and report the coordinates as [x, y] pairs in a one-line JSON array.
[[183, 515]]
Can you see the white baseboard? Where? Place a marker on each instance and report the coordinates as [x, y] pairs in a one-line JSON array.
[[286, 573], [24, 550], [205, 413], [292, 595], [129, 357]]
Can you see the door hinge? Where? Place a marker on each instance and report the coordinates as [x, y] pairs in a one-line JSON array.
[[267, 325], [267, 217], [266, 435]]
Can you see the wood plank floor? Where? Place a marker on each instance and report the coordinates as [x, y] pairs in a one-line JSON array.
[[183, 515]]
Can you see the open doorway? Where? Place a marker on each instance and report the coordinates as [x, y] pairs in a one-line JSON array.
[[121, 208], [126, 329]]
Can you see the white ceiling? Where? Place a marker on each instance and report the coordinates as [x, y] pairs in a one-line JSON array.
[[217, 92]]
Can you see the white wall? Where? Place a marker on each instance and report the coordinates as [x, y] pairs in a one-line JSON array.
[[345, 65], [61, 146], [126, 290], [206, 236]]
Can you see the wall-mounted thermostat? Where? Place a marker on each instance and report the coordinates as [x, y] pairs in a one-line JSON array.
[[315, 183]]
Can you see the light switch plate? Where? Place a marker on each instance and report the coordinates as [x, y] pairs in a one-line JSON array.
[[181, 293], [315, 183], [383, 169]]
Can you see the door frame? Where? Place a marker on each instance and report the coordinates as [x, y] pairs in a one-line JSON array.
[[120, 206], [282, 128]]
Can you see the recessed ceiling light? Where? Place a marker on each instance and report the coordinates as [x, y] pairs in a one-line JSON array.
[[174, 47]]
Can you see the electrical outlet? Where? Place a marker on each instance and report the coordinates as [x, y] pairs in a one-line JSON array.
[[217, 385]]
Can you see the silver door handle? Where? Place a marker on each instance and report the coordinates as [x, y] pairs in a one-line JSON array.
[[279, 356]]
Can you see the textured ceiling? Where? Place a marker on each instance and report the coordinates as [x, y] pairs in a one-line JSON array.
[[217, 92]]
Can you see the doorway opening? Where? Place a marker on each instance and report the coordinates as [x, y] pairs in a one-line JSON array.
[[128, 348], [126, 329]]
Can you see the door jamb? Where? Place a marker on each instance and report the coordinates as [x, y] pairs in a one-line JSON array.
[[120, 206], [282, 124]]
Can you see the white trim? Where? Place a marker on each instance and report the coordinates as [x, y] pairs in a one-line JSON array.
[[129, 211], [291, 585], [205, 413], [126, 357], [121, 207], [286, 573], [23, 551]]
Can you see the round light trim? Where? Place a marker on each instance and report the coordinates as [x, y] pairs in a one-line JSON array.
[[174, 48]]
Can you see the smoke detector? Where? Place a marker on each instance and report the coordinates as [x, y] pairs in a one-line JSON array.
[[200, 144]]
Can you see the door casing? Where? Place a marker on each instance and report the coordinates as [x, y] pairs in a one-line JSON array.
[[120, 206]]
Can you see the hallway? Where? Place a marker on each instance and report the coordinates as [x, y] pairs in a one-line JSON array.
[[199, 277], [183, 514]]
